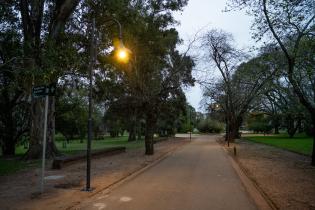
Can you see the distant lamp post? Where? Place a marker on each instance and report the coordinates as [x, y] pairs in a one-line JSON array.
[[123, 56], [190, 129]]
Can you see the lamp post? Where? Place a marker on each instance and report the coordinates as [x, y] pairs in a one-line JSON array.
[[190, 123], [122, 53], [89, 142]]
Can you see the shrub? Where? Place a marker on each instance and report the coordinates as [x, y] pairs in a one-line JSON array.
[[210, 126], [260, 126]]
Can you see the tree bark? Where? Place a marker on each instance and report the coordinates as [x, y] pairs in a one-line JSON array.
[[234, 132], [51, 150], [276, 129], [132, 133], [233, 128], [313, 153], [139, 130], [292, 126], [37, 129], [313, 134], [132, 128], [276, 123], [8, 147], [149, 133]]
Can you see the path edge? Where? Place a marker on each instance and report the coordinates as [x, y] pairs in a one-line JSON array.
[[261, 199]]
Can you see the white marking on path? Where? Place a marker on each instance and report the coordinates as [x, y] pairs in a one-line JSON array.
[[102, 197], [100, 206], [55, 177], [125, 199]]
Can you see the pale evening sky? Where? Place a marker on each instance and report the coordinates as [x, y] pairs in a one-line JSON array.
[[205, 15]]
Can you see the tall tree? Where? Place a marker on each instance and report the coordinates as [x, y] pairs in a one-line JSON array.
[[240, 84], [156, 70], [14, 118], [290, 24], [42, 23]]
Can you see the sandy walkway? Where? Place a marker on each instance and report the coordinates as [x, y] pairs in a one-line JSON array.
[[285, 177]]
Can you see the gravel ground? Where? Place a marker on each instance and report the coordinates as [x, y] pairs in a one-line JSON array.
[[20, 191], [286, 178]]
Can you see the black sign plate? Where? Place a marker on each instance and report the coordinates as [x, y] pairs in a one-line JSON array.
[[40, 91], [44, 90]]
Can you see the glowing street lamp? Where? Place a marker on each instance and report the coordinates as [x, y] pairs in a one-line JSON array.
[[123, 56]]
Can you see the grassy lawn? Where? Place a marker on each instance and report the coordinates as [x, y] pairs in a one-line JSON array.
[[300, 143], [9, 166], [75, 146]]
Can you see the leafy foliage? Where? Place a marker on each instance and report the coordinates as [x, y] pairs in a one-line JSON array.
[[209, 125]]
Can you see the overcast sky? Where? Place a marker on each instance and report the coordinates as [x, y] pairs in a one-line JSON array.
[[207, 14]]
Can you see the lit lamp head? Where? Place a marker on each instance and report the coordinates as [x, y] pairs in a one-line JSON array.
[[122, 53]]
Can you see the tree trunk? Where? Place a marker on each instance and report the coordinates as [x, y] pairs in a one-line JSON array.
[[8, 147], [291, 126], [139, 131], [132, 133], [52, 150], [37, 129], [234, 127], [276, 129], [149, 133], [276, 123], [227, 129], [233, 132], [226, 132], [300, 127], [313, 152], [313, 133]]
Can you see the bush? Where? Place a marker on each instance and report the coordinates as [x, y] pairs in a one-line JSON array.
[[210, 126], [260, 126]]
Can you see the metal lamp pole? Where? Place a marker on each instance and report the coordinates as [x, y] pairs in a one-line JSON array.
[[90, 120], [190, 123]]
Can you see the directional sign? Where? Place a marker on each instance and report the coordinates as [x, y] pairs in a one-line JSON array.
[[40, 91], [44, 90]]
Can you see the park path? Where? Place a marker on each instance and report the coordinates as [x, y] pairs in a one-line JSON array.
[[198, 176]]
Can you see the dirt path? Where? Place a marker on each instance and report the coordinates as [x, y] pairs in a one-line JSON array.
[[285, 177], [19, 191], [197, 176]]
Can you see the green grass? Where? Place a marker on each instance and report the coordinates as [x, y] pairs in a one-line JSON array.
[[75, 146], [9, 166], [300, 143]]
